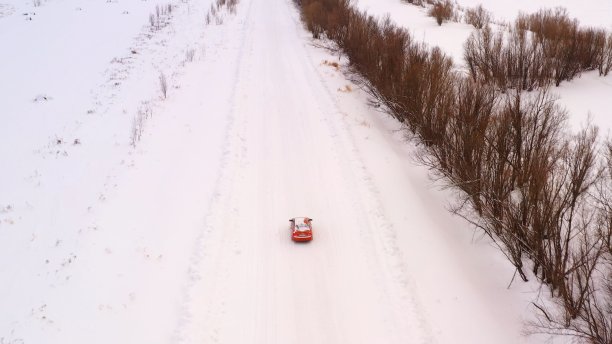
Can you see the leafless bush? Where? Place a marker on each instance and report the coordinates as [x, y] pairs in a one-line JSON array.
[[231, 6], [478, 17], [207, 19], [160, 18], [605, 57], [36, 3], [442, 10], [459, 155], [144, 112], [483, 53], [189, 55], [163, 84], [313, 15]]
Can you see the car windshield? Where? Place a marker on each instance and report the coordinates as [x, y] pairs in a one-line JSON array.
[[301, 227]]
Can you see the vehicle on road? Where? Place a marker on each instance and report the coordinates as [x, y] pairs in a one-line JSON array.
[[301, 229]]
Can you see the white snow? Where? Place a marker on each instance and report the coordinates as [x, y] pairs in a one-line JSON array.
[[183, 237]]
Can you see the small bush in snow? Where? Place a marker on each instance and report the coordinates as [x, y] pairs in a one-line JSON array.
[[163, 85], [478, 17], [605, 57], [442, 11], [207, 19], [189, 55], [160, 18], [144, 112], [231, 5]]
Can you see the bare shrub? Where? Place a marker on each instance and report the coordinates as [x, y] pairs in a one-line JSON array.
[[524, 63], [483, 53], [160, 17], [163, 85], [459, 155], [231, 6], [189, 55], [478, 17], [144, 112], [36, 3], [605, 57], [313, 14], [558, 36], [442, 10]]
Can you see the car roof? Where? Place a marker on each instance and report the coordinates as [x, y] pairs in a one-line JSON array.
[[299, 220]]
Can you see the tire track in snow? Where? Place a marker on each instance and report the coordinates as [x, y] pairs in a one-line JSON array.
[[370, 203], [266, 296], [189, 327]]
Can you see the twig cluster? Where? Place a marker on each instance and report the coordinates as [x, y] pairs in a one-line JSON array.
[[161, 17], [138, 123], [215, 12]]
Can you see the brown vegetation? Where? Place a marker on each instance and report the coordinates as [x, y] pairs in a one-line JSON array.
[[543, 196], [540, 49], [478, 17], [442, 10]]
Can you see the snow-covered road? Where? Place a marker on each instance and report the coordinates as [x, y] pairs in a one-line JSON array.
[[185, 238], [290, 156], [291, 152]]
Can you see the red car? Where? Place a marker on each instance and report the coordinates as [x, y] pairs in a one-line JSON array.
[[301, 229]]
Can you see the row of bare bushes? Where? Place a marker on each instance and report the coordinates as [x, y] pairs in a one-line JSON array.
[[539, 49], [543, 195]]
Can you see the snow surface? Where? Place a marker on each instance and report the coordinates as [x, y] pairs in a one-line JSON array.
[[183, 238]]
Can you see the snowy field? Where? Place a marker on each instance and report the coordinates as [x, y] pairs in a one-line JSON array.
[[585, 98], [130, 216]]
